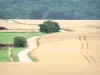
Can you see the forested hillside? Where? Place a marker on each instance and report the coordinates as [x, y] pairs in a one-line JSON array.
[[50, 9]]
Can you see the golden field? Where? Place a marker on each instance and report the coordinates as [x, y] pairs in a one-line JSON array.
[[60, 53]]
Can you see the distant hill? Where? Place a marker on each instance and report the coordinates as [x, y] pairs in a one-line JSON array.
[[50, 9]]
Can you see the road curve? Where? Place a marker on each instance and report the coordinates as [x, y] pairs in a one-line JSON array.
[[32, 44]]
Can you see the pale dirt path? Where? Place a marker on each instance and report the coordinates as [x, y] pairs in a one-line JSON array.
[[10, 54], [32, 44]]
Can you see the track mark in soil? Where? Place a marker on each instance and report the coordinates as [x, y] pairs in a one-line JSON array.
[[84, 52]]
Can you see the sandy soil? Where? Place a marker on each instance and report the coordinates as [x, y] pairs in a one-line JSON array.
[[43, 69], [60, 53]]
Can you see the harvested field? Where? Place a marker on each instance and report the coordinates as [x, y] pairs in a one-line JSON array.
[[33, 24], [62, 53], [65, 48], [13, 26], [61, 48]]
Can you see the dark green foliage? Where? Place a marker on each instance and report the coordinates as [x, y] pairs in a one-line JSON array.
[[5, 46], [50, 9], [3, 28], [20, 42], [49, 27], [34, 13]]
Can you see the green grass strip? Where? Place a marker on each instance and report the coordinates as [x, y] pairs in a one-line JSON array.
[[4, 56], [15, 52], [7, 37], [34, 59]]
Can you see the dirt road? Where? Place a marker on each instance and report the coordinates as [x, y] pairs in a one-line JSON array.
[[32, 44]]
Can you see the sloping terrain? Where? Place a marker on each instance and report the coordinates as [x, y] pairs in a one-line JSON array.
[[13, 25], [44, 69], [62, 53], [29, 24], [64, 48], [67, 49]]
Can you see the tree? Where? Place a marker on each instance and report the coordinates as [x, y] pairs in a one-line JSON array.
[[49, 27], [20, 42]]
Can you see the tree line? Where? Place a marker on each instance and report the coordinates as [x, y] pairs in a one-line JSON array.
[[50, 9]]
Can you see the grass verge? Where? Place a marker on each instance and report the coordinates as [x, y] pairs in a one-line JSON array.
[[7, 37], [4, 56], [34, 59], [15, 52]]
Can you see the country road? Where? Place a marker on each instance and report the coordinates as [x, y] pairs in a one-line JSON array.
[[32, 44]]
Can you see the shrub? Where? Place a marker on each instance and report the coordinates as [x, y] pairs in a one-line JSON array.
[[3, 28], [20, 42], [49, 27], [4, 46]]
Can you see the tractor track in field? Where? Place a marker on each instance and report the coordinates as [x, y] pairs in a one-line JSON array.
[[84, 51]]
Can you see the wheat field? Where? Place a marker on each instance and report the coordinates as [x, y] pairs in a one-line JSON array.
[[60, 53]]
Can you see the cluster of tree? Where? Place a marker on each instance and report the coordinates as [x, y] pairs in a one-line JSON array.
[[19, 42], [46, 27], [50, 9], [49, 27]]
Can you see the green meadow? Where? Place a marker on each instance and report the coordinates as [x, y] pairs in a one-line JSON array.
[[7, 37]]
